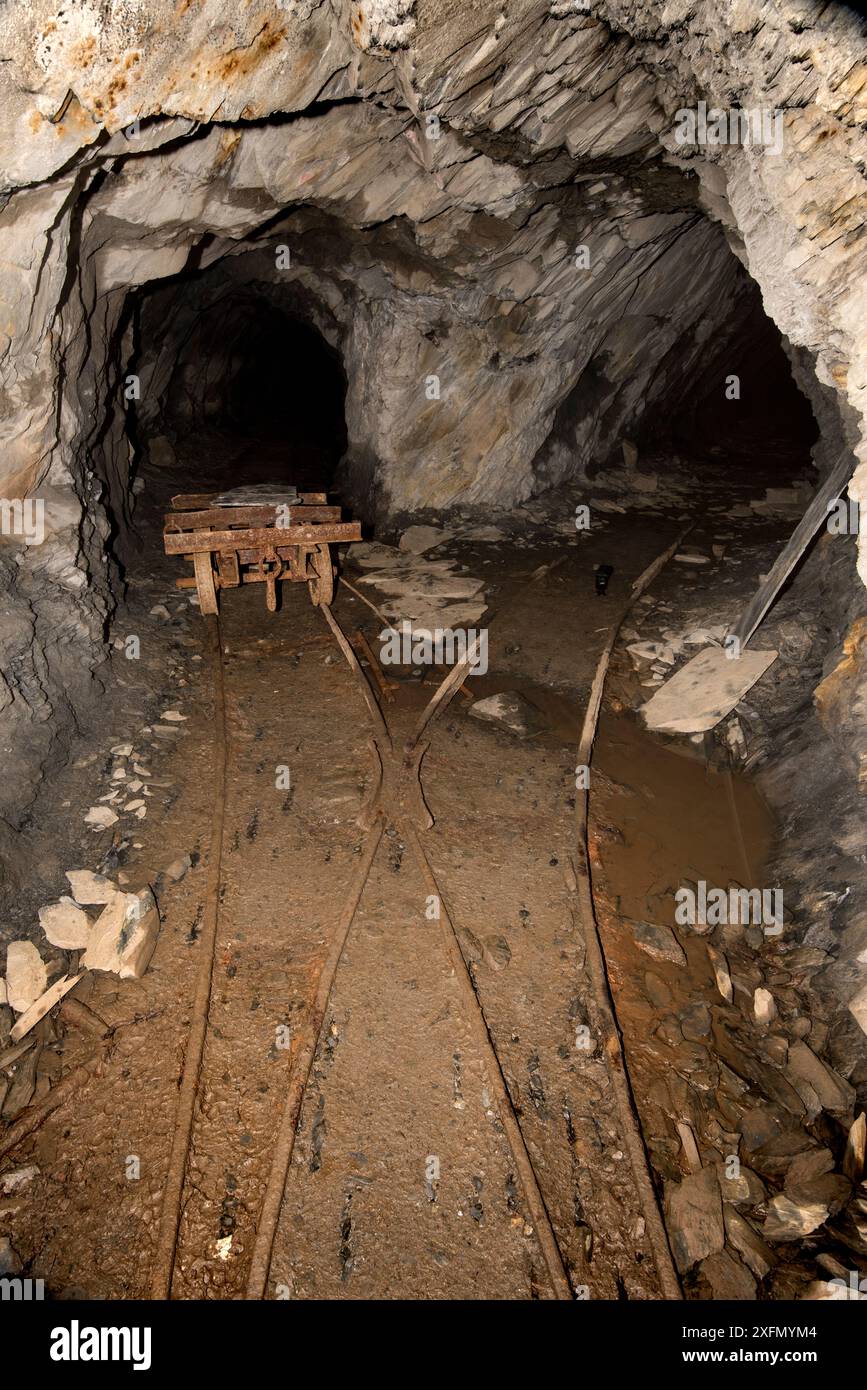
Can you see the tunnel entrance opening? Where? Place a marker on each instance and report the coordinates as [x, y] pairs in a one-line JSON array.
[[249, 391], [743, 411], [752, 409], [726, 405]]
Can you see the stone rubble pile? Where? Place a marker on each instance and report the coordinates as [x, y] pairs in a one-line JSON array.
[[428, 594]]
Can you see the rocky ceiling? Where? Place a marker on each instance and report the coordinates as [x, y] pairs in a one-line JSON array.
[[484, 207]]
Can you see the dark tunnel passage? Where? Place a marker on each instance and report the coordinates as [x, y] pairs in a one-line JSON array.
[[253, 390], [726, 403], [742, 409], [749, 407]]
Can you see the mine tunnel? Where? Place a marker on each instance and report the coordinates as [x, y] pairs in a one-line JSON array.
[[434, 656], [257, 379], [771, 424]]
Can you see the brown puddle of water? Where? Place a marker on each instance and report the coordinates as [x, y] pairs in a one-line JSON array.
[[678, 818], [659, 816]]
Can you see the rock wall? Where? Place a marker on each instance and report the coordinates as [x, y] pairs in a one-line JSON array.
[[486, 207]]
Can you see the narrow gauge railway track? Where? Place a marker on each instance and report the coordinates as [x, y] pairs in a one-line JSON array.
[[395, 802]]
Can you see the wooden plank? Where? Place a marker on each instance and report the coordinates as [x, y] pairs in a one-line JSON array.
[[12, 1054], [254, 577], [219, 518], [189, 542], [43, 1004], [705, 690], [295, 557], [794, 548]]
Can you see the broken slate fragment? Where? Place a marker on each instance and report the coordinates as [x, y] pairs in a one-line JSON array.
[[175, 871], [832, 1291], [512, 711], [728, 1278], [18, 1180], [764, 1006], [746, 1240], [690, 1147], [653, 651], [705, 690], [741, 1189], [124, 935], [856, 1147], [659, 942], [806, 1167], [100, 817], [90, 889], [819, 1087], [418, 539], [65, 924], [694, 1217], [720, 968], [789, 1220], [26, 975]]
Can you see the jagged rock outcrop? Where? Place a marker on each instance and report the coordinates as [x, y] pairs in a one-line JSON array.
[[489, 214]]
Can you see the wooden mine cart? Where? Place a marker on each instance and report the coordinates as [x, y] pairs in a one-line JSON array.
[[231, 543]]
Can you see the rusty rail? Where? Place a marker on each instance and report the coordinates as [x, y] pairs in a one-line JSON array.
[[170, 1215], [397, 790], [398, 796]]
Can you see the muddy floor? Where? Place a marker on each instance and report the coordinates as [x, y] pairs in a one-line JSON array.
[[402, 1184]]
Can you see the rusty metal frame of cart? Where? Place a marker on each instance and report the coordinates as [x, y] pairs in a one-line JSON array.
[[245, 545]]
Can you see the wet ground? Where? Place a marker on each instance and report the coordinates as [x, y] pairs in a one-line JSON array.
[[402, 1182]]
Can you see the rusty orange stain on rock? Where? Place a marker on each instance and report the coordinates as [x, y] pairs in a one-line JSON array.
[[833, 691], [238, 64], [840, 373], [116, 85], [82, 52], [229, 142]]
